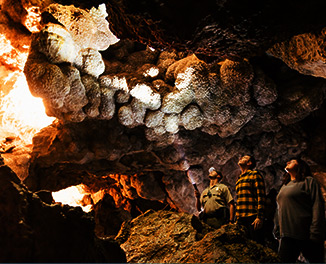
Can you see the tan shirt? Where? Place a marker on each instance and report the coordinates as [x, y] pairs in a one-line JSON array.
[[212, 198]]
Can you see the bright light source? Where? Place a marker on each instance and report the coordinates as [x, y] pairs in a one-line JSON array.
[[33, 19], [23, 115], [74, 196], [9, 55], [78, 196]]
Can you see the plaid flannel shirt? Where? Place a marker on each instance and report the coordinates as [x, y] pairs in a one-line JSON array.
[[250, 189]]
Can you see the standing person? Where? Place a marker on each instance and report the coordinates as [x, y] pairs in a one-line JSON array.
[[215, 200], [300, 218], [250, 190]]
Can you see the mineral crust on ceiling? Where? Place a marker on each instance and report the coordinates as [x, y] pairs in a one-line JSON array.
[[188, 86]]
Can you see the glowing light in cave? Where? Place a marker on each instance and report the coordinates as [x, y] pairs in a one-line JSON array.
[[5, 45], [22, 114], [78, 196], [33, 19], [191, 178], [11, 56]]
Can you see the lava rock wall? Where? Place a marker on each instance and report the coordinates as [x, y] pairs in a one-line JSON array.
[[33, 231], [138, 116]]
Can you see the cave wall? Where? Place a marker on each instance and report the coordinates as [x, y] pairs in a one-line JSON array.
[[34, 231], [173, 97]]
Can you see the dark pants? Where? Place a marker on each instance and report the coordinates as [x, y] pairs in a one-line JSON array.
[[290, 249], [256, 235], [270, 240], [218, 218]]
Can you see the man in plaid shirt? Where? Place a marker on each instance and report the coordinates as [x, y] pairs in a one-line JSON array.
[[250, 190]]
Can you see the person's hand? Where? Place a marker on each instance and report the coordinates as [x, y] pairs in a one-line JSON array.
[[197, 194], [258, 224]]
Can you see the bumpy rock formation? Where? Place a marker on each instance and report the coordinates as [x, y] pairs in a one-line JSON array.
[[95, 153], [61, 53], [139, 124], [160, 113], [183, 90], [304, 53], [163, 91], [33, 231], [167, 237]]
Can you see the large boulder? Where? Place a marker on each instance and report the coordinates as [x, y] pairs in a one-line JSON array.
[[170, 237]]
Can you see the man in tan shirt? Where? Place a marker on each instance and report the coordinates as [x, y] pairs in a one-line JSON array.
[[215, 201]]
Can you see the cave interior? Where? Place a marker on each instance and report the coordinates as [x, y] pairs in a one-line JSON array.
[[137, 100]]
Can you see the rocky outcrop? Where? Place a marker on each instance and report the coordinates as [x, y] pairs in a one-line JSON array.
[[61, 53], [107, 155], [33, 231], [142, 118], [304, 53], [169, 237], [162, 91], [218, 29]]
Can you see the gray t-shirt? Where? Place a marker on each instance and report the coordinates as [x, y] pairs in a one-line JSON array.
[[212, 198], [300, 210]]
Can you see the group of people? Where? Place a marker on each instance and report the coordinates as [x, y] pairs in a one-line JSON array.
[[298, 219]]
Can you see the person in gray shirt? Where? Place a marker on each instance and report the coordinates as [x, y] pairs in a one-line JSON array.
[[300, 215]]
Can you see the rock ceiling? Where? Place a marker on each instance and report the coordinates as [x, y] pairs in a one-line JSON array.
[[188, 86]]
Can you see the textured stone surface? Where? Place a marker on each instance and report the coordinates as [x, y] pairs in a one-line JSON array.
[[142, 124], [229, 29], [169, 237], [176, 98], [95, 33], [183, 91], [304, 53], [33, 231], [157, 173], [76, 41]]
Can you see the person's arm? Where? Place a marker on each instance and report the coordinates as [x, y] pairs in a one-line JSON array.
[[230, 202], [232, 211], [260, 189], [276, 230], [198, 203], [317, 227]]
